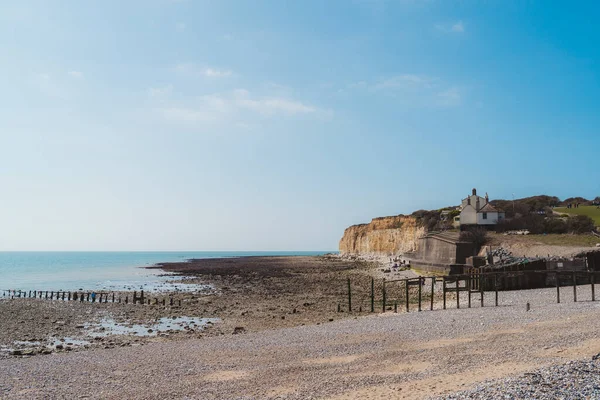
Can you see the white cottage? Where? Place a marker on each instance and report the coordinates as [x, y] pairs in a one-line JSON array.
[[476, 210]]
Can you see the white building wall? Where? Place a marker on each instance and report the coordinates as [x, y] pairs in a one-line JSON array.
[[492, 218], [468, 216]]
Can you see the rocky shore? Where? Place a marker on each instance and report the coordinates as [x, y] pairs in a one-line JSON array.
[[249, 294]]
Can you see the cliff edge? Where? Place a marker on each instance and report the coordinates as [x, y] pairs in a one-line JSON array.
[[383, 236]]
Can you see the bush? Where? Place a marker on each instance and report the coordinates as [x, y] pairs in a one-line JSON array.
[[477, 236], [580, 224], [555, 225]]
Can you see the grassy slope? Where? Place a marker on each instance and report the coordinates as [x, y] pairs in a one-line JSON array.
[[551, 240], [590, 211]]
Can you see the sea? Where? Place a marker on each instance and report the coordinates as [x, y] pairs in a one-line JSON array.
[[71, 271]]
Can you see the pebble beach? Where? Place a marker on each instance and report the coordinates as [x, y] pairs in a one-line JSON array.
[[479, 352]]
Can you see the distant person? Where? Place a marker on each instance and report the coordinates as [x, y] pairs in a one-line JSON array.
[[93, 297]]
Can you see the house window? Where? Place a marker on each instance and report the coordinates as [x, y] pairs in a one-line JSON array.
[[484, 215]]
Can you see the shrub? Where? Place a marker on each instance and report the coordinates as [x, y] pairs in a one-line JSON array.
[[555, 225], [580, 224], [477, 236]]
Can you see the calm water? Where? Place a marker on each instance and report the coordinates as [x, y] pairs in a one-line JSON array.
[[96, 270]]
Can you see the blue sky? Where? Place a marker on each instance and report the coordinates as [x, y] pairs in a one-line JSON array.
[[273, 125]]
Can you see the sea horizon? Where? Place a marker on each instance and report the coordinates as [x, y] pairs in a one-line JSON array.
[[103, 270]]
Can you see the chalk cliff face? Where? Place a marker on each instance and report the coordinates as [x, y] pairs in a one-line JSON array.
[[383, 236]]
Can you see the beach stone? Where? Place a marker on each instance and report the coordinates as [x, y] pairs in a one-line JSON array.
[[239, 329]]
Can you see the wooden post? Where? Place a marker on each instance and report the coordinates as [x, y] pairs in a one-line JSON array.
[[113, 297], [383, 303], [432, 292], [420, 291], [119, 299], [170, 301], [179, 302], [46, 294], [444, 290], [349, 297], [469, 290], [63, 296], [74, 296], [142, 297], [481, 290], [496, 287], [339, 307], [134, 299], [557, 287], [574, 286], [126, 299], [407, 296], [593, 282], [396, 306], [457, 293], [163, 301], [69, 297], [372, 295]]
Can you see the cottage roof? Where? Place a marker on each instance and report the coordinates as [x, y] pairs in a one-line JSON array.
[[488, 208]]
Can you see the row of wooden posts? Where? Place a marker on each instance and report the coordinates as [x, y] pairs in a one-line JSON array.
[[92, 297], [472, 284]]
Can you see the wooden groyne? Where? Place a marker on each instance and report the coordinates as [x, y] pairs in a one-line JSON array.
[[91, 297], [419, 293]]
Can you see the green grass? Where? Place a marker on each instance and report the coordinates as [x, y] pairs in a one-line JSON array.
[[591, 211]]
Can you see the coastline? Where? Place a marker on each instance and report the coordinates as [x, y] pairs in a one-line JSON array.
[[275, 333], [247, 294]]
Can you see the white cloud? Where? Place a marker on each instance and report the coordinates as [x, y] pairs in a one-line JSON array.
[[76, 74], [209, 72], [180, 27], [217, 73], [230, 106], [405, 81], [457, 27], [414, 89], [271, 105], [160, 92], [450, 97]]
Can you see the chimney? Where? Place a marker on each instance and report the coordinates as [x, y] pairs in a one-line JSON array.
[[474, 192], [469, 200]]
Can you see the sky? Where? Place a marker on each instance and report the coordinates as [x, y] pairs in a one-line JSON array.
[[274, 125]]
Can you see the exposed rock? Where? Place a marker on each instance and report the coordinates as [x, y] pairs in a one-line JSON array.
[[382, 236]]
